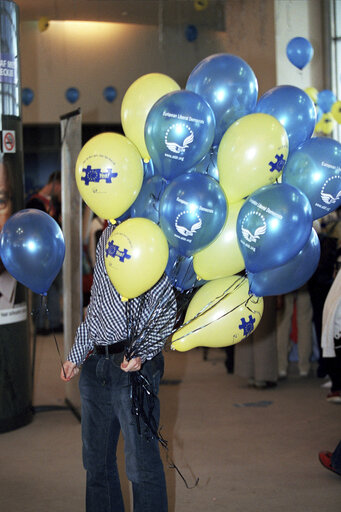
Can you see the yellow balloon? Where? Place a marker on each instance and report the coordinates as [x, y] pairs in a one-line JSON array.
[[251, 154], [200, 5], [336, 111], [222, 257], [137, 102], [325, 124], [43, 24], [136, 256], [312, 93], [109, 174], [228, 315]]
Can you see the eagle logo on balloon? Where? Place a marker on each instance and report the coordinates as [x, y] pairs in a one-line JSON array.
[[185, 231], [174, 147]]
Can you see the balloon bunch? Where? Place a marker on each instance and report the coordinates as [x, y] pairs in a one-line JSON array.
[[328, 109]]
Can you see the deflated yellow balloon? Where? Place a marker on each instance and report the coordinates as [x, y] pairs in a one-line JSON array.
[[230, 315], [136, 256], [137, 102], [223, 257], [109, 174], [251, 154]]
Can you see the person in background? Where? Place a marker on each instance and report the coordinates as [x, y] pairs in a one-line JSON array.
[[48, 200], [106, 388], [331, 339], [256, 357], [332, 460], [7, 282], [301, 299]]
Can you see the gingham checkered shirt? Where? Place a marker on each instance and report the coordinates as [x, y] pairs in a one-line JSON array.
[[106, 318]]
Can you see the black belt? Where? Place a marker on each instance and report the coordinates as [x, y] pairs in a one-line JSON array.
[[114, 348]]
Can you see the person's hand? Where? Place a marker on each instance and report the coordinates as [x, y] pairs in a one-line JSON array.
[[134, 365], [68, 371]]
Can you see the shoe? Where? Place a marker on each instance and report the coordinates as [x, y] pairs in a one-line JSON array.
[[304, 374], [334, 397], [326, 460], [282, 375], [264, 384]]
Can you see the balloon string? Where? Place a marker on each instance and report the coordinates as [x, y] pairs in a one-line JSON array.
[[44, 309], [141, 394]]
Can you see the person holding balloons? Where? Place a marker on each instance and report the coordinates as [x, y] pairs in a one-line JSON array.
[[111, 325]]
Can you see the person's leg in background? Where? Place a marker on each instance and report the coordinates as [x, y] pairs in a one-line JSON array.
[[304, 324], [284, 318]]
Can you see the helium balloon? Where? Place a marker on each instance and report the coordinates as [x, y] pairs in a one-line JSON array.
[[136, 256], [326, 124], [179, 131], [137, 102], [191, 33], [193, 209], [180, 271], [299, 52], [251, 154], [72, 94], [325, 100], [273, 226], [27, 96], [147, 203], [290, 276], [109, 174], [312, 93], [32, 249], [109, 93], [315, 169], [148, 169], [222, 257], [221, 313], [229, 86], [336, 111], [293, 108]]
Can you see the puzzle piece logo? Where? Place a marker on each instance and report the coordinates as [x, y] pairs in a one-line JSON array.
[[114, 251], [95, 175], [247, 326], [278, 165]]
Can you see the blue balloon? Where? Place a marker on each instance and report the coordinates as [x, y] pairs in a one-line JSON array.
[[193, 211], [32, 249], [180, 271], [293, 108], [147, 203], [273, 225], [325, 100], [109, 93], [299, 52], [315, 168], [290, 276], [27, 96], [191, 33], [179, 131], [208, 165], [72, 94], [229, 86]]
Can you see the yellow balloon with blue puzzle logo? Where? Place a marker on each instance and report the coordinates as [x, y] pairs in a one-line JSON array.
[[109, 174], [221, 313], [136, 256]]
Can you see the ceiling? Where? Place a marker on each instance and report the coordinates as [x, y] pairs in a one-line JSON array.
[[145, 12]]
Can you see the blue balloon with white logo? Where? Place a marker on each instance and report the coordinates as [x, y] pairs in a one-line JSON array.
[[315, 168], [299, 52], [229, 86], [290, 276], [293, 108], [208, 165], [273, 225], [32, 249], [193, 211], [325, 100], [147, 203], [179, 131]]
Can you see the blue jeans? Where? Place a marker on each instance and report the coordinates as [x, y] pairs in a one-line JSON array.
[[106, 409]]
